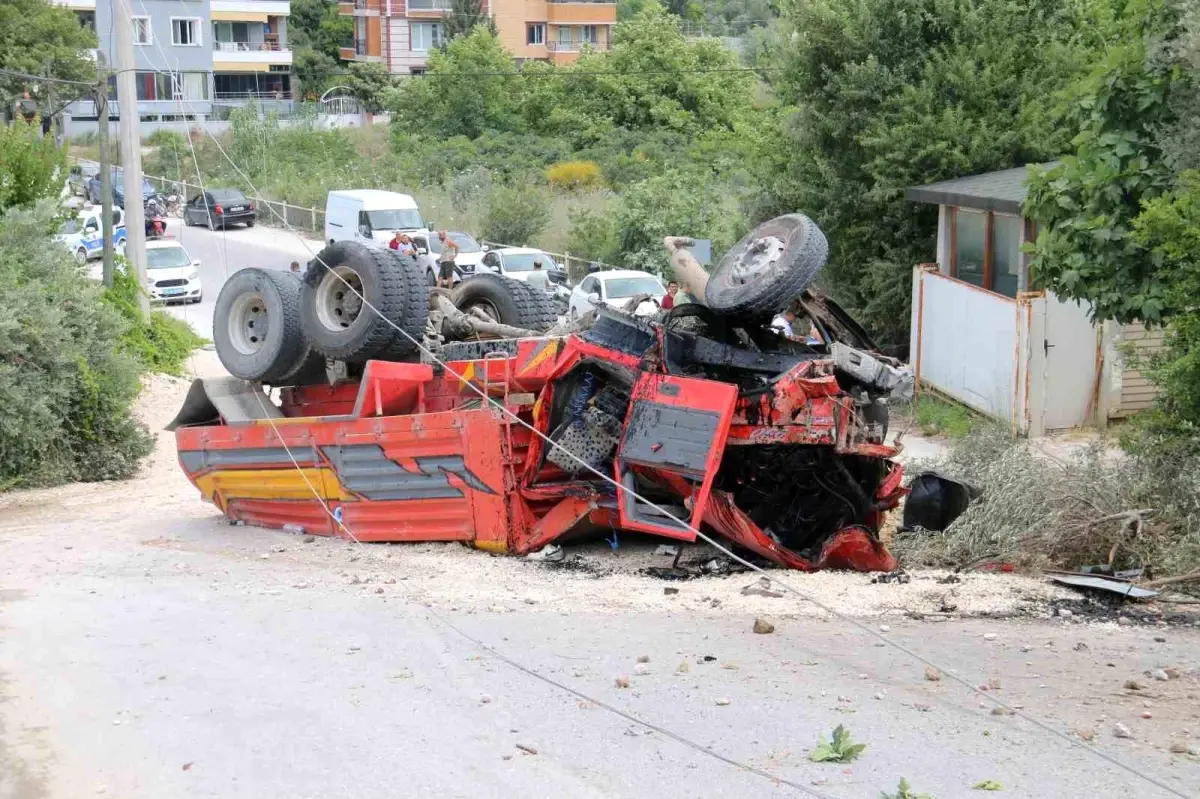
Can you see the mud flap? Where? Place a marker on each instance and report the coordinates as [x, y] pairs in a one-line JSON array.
[[675, 431]]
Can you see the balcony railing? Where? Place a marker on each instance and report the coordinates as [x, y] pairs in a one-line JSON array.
[[590, 2], [430, 5], [244, 96], [247, 47], [574, 47]]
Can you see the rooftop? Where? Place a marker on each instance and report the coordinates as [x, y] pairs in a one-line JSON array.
[[1002, 191]]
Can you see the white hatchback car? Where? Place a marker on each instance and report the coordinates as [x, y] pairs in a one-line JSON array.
[[615, 288], [517, 262], [171, 275]]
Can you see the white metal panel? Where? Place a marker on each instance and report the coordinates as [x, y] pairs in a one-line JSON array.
[[1071, 356], [965, 343]]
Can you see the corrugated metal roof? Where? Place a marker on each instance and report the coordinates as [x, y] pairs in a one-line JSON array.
[[1002, 191]]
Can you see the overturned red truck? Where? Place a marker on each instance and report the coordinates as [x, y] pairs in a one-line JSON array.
[[702, 415]]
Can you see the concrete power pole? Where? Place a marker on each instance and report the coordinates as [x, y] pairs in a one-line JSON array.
[[106, 190], [131, 147]]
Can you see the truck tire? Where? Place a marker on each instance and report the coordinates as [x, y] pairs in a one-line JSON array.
[[769, 268], [340, 325], [256, 325], [507, 301]]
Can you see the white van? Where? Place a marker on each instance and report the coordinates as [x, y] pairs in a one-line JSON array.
[[370, 215]]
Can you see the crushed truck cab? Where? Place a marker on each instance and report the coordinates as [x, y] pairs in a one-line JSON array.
[[781, 454]]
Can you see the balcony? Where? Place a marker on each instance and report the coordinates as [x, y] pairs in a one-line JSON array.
[[428, 7], [226, 54], [584, 13], [358, 8], [247, 47], [575, 47]]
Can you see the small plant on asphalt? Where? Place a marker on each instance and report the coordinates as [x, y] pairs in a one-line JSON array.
[[988, 785], [904, 791], [840, 750]]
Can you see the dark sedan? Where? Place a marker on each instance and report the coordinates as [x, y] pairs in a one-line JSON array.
[[219, 208]]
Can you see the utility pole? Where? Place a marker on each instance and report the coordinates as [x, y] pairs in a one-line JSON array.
[[106, 189], [131, 148]]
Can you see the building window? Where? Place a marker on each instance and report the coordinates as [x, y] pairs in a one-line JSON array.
[[141, 31], [588, 34], [168, 86], [231, 36], [87, 20], [985, 249], [426, 36], [360, 35], [185, 32], [535, 34]]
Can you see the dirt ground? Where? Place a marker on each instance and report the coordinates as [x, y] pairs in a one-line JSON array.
[[75, 559]]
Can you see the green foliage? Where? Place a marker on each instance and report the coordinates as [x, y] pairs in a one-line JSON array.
[[939, 416], [32, 167], [840, 750], [574, 175], [40, 38], [370, 83], [463, 17], [1085, 206], [162, 343], [672, 204], [593, 236], [515, 215], [66, 384], [316, 32], [904, 791], [898, 93], [987, 785]]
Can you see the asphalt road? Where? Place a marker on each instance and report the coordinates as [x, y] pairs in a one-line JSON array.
[[221, 253]]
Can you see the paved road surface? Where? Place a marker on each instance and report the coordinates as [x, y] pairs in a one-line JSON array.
[[221, 253]]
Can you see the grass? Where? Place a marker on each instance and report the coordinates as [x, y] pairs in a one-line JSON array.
[[938, 416]]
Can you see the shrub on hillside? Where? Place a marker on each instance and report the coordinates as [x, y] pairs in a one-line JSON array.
[[162, 343], [593, 236], [32, 166], [515, 215], [574, 175], [66, 382]]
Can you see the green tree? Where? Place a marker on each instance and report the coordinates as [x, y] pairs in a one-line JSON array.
[[316, 33], [470, 87], [32, 166], [515, 215], [41, 38], [895, 93], [465, 16], [370, 83]]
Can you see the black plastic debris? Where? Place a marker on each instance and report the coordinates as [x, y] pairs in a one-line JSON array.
[[935, 501]]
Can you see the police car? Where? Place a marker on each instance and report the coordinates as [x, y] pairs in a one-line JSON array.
[[83, 234]]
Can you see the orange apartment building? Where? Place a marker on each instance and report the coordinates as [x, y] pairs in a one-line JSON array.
[[401, 33]]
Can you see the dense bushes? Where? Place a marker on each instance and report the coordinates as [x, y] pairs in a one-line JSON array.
[[162, 343], [66, 382], [574, 175], [515, 215]]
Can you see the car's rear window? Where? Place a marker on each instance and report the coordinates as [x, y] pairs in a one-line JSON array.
[[228, 196]]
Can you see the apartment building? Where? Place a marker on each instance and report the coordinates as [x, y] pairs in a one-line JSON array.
[[196, 59], [401, 33]]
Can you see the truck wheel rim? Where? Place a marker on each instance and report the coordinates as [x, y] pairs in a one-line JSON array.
[[248, 324], [338, 304], [485, 306], [760, 258]]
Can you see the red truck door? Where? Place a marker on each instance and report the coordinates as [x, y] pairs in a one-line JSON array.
[[674, 435]]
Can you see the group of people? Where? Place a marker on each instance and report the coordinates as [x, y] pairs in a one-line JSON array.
[[403, 244]]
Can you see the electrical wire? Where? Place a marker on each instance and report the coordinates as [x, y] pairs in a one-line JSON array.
[[501, 408]]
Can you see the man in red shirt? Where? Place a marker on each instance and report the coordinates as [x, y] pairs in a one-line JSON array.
[[395, 242], [668, 302]]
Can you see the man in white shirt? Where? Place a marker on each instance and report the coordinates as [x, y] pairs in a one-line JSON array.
[[538, 278], [782, 323]]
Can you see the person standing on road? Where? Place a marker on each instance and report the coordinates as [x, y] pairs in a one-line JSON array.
[[538, 278], [668, 302], [446, 260]]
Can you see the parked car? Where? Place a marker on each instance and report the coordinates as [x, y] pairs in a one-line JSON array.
[[370, 215], [615, 288], [94, 189], [83, 234], [78, 178], [171, 275], [219, 208], [517, 263], [470, 253]]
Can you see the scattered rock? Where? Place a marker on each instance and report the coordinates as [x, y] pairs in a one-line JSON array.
[[302, 585], [506, 757], [922, 707], [1146, 714], [641, 669], [308, 539], [1001, 711], [577, 672], [1134, 685], [187, 767], [379, 590], [994, 683], [1172, 673], [883, 628], [1065, 613], [390, 581], [643, 658], [1026, 648], [1121, 731], [1160, 639], [932, 674], [1086, 735], [1080, 647], [1160, 675], [670, 591], [989, 636], [722, 701], [264, 556], [486, 699], [1124, 621], [879, 695], [684, 668], [1179, 747], [530, 600], [623, 682], [763, 627]]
